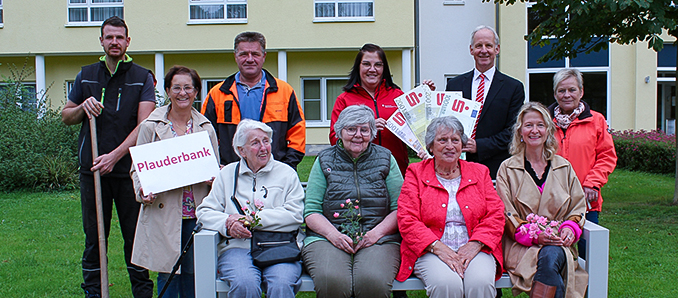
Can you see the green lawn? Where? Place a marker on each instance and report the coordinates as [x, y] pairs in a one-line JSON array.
[[42, 241]]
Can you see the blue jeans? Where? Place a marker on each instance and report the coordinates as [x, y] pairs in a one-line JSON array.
[[182, 285], [249, 281], [550, 263], [591, 216]]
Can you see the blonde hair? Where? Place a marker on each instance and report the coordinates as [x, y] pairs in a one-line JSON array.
[[550, 145]]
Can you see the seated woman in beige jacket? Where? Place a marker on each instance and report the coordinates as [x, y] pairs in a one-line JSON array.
[[544, 210]]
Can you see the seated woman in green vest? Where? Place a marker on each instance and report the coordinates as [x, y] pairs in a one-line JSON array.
[[352, 248]]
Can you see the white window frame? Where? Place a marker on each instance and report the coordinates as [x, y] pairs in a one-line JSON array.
[[205, 90], [2, 17], [336, 11], [225, 3], [89, 5], [324, 119]]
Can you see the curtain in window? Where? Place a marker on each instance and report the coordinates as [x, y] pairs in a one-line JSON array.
[[77, 14], [355, 9], [236, 11], [324, 10], [334, 89], [99, 14], [206, 12]]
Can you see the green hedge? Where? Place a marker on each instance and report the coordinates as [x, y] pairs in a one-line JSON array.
[[37, 150], [645, 151]]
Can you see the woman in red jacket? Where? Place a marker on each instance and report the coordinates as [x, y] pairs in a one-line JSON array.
[[583, 139], [451, 219], [370, 84]]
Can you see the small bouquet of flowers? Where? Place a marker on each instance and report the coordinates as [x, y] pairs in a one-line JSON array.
[[351, 226], [539, 223], [252, 209]]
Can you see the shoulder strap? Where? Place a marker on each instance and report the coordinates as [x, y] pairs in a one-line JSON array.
[[235, 186]]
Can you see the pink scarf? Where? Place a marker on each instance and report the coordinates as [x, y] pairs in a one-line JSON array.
[[563, 120]]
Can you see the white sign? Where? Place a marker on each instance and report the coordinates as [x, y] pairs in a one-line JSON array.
[[175, 162]]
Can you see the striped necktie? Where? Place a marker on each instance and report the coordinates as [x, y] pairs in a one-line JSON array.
[[480, 97]]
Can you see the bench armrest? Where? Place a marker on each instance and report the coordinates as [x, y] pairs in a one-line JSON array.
[[597, 258], [205, 263]]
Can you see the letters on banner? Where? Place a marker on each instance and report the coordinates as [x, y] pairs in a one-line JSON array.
[[175, 162]]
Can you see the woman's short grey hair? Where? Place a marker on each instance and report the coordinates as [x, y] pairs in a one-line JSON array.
[[446, 123], [243, 130], [355, 115], [565, 74]]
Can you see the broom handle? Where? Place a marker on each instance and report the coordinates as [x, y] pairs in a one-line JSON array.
[[103, 260]]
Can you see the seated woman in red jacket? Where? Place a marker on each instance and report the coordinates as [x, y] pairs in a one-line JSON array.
[[451, 219]]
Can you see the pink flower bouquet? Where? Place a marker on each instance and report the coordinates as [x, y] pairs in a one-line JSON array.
[[536, 223]]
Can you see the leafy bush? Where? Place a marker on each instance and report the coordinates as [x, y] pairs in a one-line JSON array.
[[36, 149], [647, 151]]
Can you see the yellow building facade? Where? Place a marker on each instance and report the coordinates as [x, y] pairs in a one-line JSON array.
[[309, 42]]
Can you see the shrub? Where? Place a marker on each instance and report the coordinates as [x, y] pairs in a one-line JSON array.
[[647, 151], [36, 149]]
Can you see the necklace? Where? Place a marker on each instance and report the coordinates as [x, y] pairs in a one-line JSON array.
[[445, 174]]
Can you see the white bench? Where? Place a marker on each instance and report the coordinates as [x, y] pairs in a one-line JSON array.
[[208, 285]]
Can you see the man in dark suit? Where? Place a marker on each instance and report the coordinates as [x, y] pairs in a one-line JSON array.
[[500, 102]]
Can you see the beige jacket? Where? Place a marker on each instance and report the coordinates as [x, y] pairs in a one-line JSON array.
[[157, 242], [562, 199]]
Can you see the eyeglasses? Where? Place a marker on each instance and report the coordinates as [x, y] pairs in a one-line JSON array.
[[367, 64], [187, 89], [364, 131]]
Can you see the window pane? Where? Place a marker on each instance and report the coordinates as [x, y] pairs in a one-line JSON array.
[[206, 12], [99, 14], [355, 9], [106, 1], [536, 52], [311, 89], [667, 56], [77, 1], [236, 11], [333, 90], [312, 110], [1, 21], [77, 14], [324, 10], [541, 88]]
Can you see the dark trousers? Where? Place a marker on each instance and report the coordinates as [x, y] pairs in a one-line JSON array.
[[591, 216], [550, 263], [182, 285], [120, 191]]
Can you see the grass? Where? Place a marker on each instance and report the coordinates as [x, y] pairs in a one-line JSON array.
[[42, 241]]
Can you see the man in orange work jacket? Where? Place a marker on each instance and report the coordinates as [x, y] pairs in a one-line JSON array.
[[253, 93]]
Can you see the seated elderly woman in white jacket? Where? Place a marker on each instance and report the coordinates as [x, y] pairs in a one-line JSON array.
[[261, 181]]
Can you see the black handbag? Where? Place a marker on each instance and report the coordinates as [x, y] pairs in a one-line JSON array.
[[269, 248]]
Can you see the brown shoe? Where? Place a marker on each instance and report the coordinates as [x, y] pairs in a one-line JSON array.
[[540, 290]]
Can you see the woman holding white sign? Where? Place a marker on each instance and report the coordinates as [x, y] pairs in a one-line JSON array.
[[167, 219]]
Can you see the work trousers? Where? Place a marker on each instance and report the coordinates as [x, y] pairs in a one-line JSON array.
[[120, 191]]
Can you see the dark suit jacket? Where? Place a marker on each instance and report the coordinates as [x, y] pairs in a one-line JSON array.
[[502, 103]]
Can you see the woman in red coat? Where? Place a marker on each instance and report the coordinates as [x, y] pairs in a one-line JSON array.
[[370, 84], [451, 219]]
